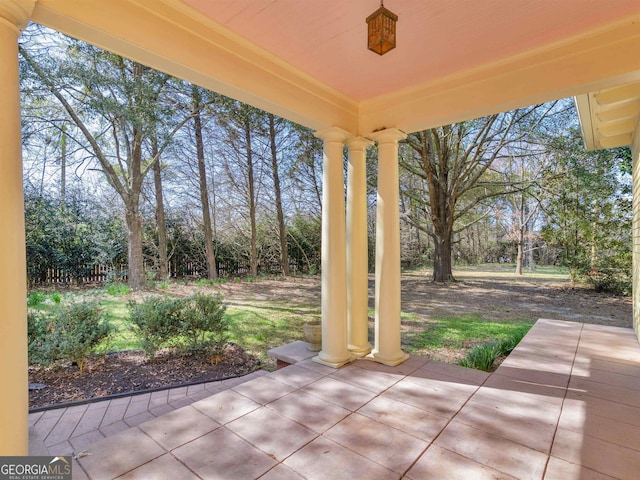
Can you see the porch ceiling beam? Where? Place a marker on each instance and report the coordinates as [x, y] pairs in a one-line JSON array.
[[170, 36]]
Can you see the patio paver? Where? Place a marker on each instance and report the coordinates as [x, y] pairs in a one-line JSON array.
[[65, 431], [223, 455], [564, 406]]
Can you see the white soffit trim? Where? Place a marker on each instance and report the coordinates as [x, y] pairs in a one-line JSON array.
[[609, 118]]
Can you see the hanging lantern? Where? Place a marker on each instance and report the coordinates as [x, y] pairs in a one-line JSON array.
[[382, 30]]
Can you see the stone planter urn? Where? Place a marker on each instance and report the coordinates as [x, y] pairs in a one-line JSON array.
[[313, 335]]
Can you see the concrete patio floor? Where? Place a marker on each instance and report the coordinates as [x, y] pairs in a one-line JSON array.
[[564, 405]]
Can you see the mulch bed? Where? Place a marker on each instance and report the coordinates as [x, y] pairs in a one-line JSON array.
[[123, 372]]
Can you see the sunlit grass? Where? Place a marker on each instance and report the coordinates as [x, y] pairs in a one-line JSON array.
[[259, 327], [501, 271], [457, 332], [118, 313]]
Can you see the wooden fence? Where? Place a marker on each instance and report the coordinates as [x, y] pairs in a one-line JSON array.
[[93, 274]]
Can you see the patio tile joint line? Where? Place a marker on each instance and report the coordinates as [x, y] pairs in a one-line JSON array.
[[566, 390]]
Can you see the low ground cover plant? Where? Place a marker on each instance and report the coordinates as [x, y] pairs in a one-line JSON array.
[[35, 298], [484, 355], [117, 288]]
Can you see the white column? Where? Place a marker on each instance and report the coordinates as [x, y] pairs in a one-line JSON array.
[[635, 231], [334, 351], [357, 249], [14, 395], [387, 289]]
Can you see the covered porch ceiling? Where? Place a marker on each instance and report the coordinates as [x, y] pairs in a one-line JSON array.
[[307, 60]]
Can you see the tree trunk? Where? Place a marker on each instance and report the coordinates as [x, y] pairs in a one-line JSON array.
[[161, 226], [282, 231], [594, 235], [522, 227], [252, 200], [63, 165], [532, 267], [136, 278], [442, 268], [212, 271], [520, 257]]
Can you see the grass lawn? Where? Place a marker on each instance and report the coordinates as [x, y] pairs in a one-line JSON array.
[[502, 271], [123, 338], [258, 325], [260, 328], [457, 333]]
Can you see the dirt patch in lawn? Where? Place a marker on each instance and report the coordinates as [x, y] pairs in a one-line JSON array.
[[493, 295], [511, 298]]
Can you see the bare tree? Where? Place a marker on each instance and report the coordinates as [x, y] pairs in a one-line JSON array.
[[197, 103], [161, 224], [524, 172], [239, 122], [282, 229], [455, 163]]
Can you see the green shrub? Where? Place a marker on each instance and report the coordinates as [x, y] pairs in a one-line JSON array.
[[155, 321], [39, 338], [35, 298], [203, 323], [56, 298], [610, 273], [76, 330], [197, 323], [611, 281]]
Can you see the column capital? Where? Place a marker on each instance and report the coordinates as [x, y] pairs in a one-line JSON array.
[[333, 134], [388, 135], [359, 143], [16, 13]]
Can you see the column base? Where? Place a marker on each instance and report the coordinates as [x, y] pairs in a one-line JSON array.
[[332, 362], [390, 361], [358, 351]]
